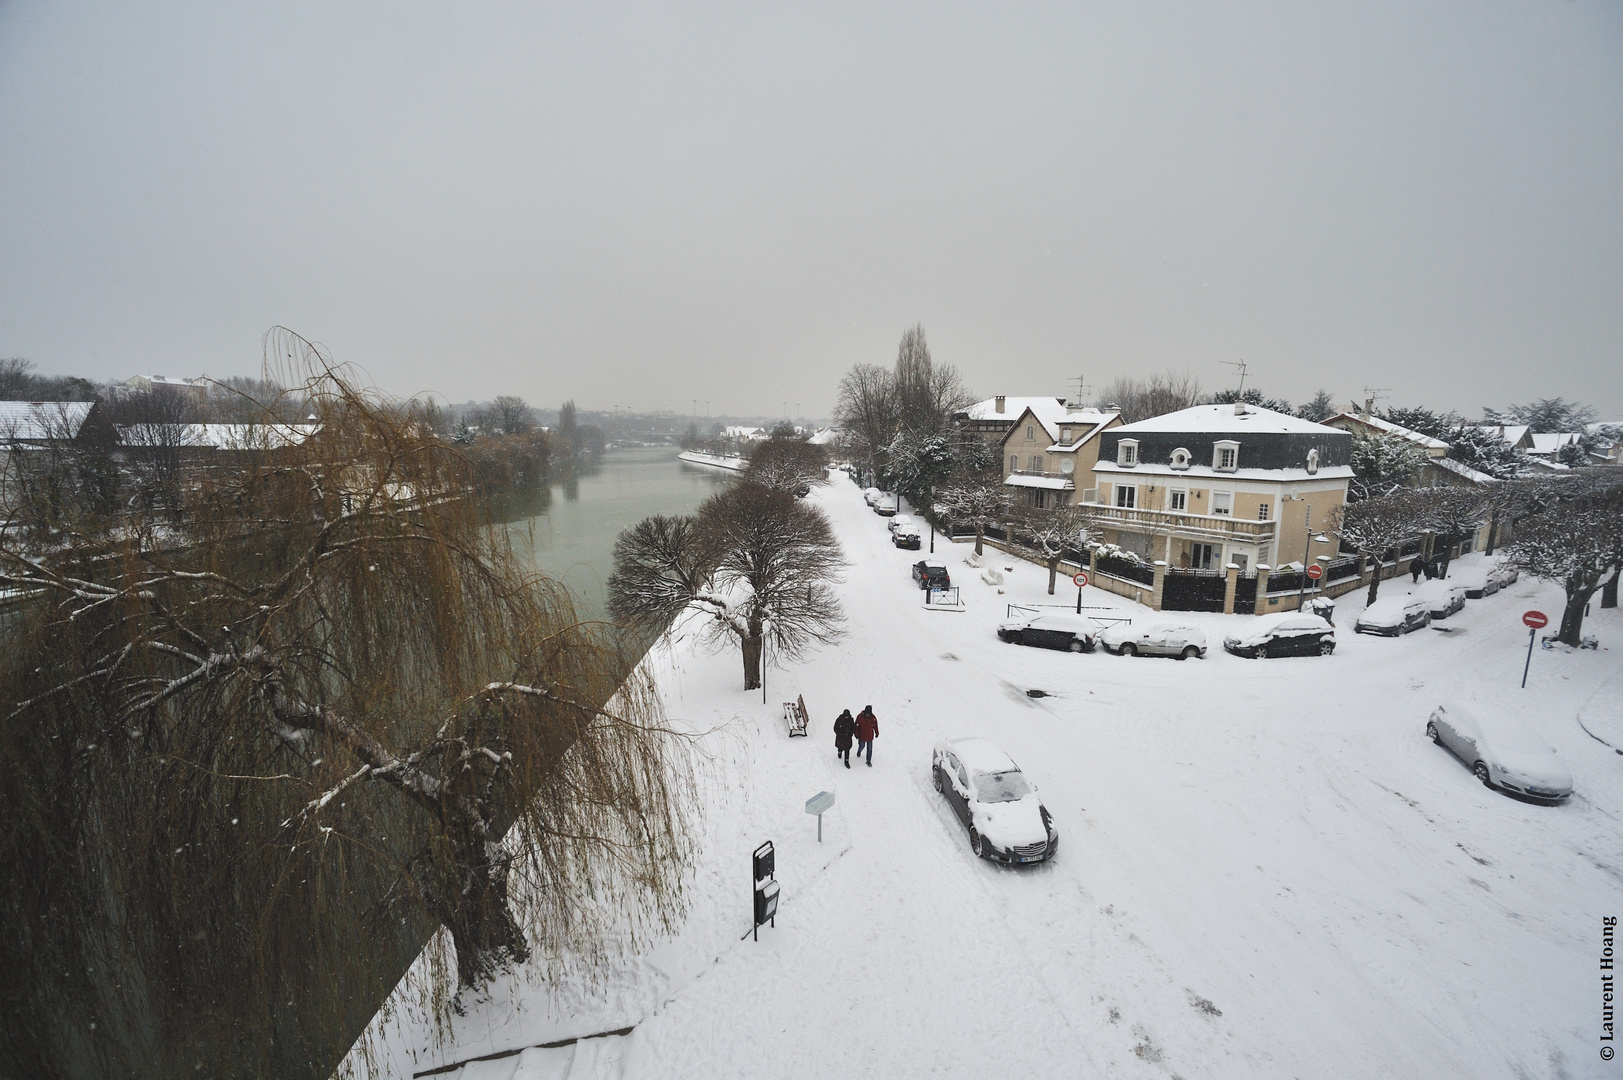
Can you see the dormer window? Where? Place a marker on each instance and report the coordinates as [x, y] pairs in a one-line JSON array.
[[1225, 455], [1180, 458], [1065, 434], [1127, 453], [1312, 461]]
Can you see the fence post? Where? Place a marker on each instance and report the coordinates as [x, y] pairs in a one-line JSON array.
[[1158, 584], [1263, 570], [1229, 588]]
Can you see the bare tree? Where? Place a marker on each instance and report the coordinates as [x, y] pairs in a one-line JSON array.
[[786, 463], [324, 713], [867, 410], [1140, 399], [1454, 513], [1575, 541], [755, 563], [1049, 535], [505, 415], [976, 501], [1378, 525]]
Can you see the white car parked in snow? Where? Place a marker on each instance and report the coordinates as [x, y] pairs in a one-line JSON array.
[[1394, 615], [1006, 820], [1503, 751], [1153, 637], [898, 521], [872, 495]]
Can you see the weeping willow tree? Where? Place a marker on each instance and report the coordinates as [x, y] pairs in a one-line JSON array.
[[254, 754]]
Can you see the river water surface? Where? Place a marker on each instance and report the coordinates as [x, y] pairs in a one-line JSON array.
[[569, 535]]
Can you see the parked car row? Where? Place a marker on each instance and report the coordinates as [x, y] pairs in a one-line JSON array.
[[882, 502]]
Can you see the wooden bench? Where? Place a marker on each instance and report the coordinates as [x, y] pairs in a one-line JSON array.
[[795, 715]]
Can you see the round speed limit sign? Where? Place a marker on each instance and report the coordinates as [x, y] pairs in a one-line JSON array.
[[1080, 580]]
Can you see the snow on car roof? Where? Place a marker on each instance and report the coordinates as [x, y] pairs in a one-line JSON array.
[[981, 755]]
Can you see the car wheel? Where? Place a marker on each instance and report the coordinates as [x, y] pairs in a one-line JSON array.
[[976, 844], [1326, 648], [1127, 649], [935, 776], [1265, 652], [1189, 653], [1481, 771], [1431, 733], [1076, 645], [1014, 638]]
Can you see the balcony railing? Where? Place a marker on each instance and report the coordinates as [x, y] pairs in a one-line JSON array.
[[1231, 528], [1055, 473]]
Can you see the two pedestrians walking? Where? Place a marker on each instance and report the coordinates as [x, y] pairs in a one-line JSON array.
[[865, 727]]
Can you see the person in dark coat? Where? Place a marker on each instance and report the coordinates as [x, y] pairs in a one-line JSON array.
[[1415, 568], [844, 728], [867, 732]]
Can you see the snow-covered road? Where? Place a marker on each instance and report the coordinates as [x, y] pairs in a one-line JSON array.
[[1265, 868]]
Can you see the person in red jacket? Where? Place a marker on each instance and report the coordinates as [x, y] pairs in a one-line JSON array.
[[867, 732]]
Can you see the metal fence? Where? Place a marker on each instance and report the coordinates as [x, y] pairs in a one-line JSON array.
[[1193, 590], [1142, 573]]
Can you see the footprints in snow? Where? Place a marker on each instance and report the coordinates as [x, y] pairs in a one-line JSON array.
[[1145, 1048]]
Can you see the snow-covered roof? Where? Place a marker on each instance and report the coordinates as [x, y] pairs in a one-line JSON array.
[[35, 421], [1511, 433], [216, 436], [1206, 472], [822, 437], [1226, 419], [1050, 483], [1550, 442], [1013, 407], [736, 432], [1386, 426], [1459, 468], [1092, 419]]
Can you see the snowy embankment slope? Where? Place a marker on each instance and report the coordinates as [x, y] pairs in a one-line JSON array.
[[1265, 868], [731, 463]]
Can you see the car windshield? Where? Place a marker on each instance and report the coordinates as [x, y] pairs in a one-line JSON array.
[[1008, 786], [1513, 738]]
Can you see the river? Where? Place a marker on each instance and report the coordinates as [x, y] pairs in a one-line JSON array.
[[569, 534]]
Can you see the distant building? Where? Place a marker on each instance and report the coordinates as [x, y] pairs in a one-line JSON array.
[[195, 387], [1048, 448], [1439, 470], [991, 419]]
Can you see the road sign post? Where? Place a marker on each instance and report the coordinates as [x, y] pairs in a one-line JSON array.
[[1081, 580], [764, 869], [1534, 620], [816, 805]]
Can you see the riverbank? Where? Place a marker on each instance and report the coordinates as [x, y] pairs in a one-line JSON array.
[[729, 462]]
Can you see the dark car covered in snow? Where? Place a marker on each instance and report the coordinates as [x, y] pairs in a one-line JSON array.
[[999, 806], [931, 575], [1054, 630], [1289, 633]]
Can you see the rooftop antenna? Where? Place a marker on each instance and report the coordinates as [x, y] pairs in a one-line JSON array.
[[1372, 394], [1081, 389], [1240, 365]]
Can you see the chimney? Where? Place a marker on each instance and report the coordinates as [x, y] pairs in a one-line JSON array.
[[997, 403], [1239, 408], [1369, 404]]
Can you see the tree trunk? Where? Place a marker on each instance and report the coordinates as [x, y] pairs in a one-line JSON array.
[[752, 657], [979, 533], [1572, 618], [1608, 595], [1493, 533], [1374, 582], [1053, 573], [467, 891]]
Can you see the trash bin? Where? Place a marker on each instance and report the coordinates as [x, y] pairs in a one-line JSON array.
[[1324, 608]]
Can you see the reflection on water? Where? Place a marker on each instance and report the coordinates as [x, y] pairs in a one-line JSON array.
[[571, 539]]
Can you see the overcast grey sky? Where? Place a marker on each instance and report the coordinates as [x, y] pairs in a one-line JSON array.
[[641, 205]]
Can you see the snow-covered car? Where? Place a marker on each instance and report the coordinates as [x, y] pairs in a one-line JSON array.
[[906, 537], [1480, 582], [899, 520], [1505, 574], [886, 506], [1153, 637], [1503, 751], [931, 575], [1055, 630], [999, 806], [1442, 598], [1289, 633], [872, 495], [1391, 616]]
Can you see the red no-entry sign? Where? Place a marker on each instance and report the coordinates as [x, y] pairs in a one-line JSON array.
[[1080, 580], [1315, 572], [1536, 619]]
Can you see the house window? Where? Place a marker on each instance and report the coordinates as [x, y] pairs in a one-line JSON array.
[[1036, 463], [1225, 455], [1178, 500], [1030, 432], [1126, 496], [1014, 462], [1066, 434], [1262, 512], [1180, 458], [1223, 502], [1312, 461], [1127, 452]]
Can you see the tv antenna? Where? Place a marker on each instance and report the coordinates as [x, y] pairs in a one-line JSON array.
[[1081, 389], [1238, 365]]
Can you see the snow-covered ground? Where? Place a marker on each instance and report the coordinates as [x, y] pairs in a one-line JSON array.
[[1265, 869]]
